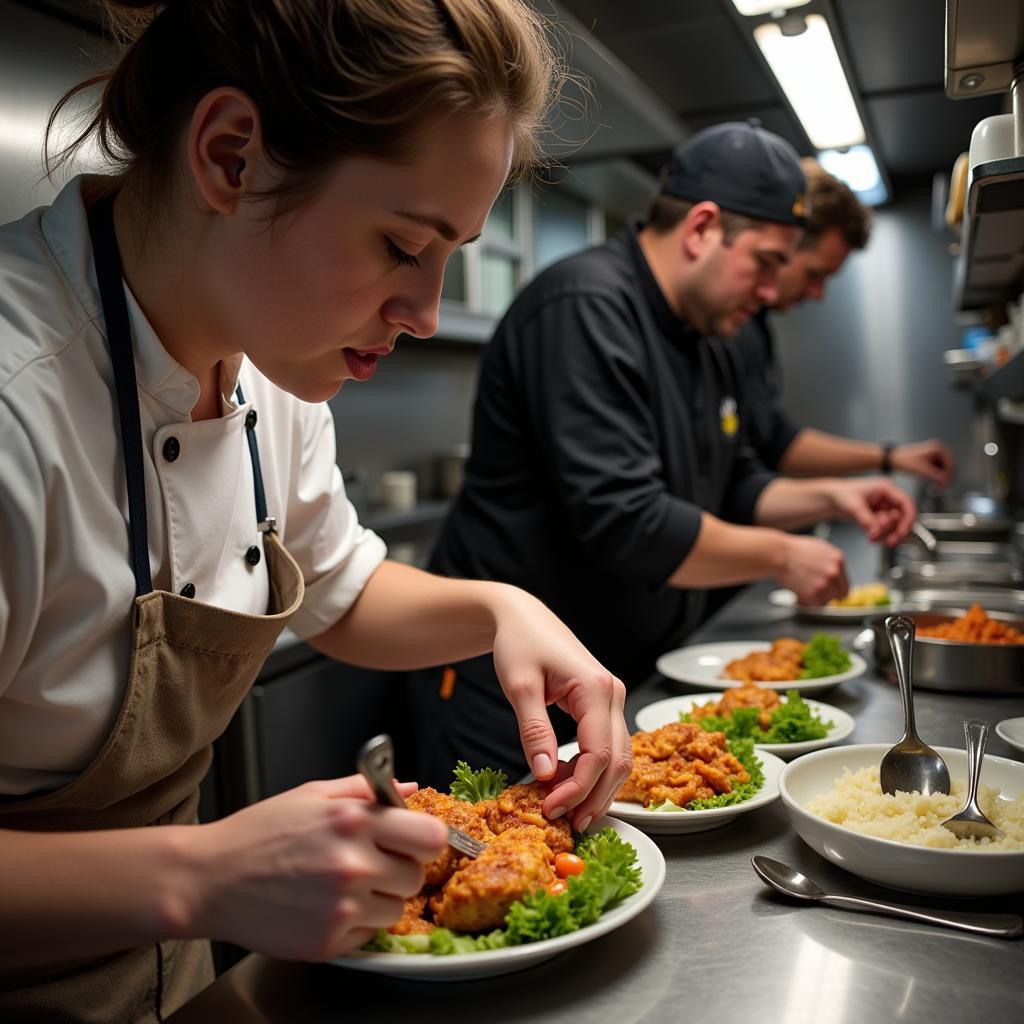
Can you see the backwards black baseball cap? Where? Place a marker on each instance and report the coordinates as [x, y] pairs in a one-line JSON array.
[[743, 168]]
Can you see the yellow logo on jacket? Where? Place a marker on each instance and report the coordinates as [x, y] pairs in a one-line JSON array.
[[729, 417]]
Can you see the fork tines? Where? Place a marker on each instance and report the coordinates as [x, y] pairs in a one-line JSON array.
[[465, 843]]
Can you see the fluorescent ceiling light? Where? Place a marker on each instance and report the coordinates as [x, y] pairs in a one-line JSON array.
[[807, 67], [859, 169], [750, 8]]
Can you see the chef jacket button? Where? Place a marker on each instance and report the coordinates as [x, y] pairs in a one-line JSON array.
[[189, 590], [250, 418], [172, 449], [252, 556]]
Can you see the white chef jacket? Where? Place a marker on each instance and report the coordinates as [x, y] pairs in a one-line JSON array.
[[66, 582]]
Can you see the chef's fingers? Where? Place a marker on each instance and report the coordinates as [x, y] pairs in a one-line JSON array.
[[527, 696]]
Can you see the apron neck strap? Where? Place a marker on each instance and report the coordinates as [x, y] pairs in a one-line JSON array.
[[119, 339]]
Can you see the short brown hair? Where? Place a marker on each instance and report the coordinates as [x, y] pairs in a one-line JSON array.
[[666, 212], [331, 78], [833, 206]]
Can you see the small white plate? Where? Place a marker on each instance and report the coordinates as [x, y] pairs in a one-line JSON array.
[[662, 712], [680, 822], [702, 665], [833, 613], [490, 962], [1012, 730]]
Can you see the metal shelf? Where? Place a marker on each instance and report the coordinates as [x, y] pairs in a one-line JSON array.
[[1005, 382], [380, 520]]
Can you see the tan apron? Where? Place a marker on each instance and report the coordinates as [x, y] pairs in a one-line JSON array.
[[191, 666]]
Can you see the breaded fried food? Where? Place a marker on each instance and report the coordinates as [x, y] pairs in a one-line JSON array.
[[521, 805], [751, 696], [412, 921], [783, 662], [680, 763], [478, 895], [459, 813]]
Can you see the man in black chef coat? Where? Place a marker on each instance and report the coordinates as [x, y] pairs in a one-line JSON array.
[[608, 473], [837, 225]]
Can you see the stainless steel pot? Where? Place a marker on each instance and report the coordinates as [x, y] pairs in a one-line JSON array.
[[948, 664]]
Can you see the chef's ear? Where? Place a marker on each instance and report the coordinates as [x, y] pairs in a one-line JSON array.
[[701, 227], [224, 147]]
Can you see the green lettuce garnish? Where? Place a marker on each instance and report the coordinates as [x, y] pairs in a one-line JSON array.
[[474, 786], [611, 875], [824, 656], [791, 722], [744, 751]]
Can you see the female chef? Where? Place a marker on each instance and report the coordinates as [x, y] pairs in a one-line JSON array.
[[293, 175]]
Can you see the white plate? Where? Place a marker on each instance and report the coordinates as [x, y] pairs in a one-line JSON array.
[[680, 822], [664, 711], [702, 665], [490, 962], [833, 613], [901, 865], [1012, 730]]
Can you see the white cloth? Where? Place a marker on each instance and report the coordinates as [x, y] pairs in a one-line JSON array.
[[66, 583]]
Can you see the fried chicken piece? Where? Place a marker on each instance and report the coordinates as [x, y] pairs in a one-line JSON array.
[[477, 897], [412, 921], [521, 805], [750, 696], [784, 661], [459, 813]]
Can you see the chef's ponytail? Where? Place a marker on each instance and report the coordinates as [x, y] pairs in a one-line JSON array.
[[331, 78]]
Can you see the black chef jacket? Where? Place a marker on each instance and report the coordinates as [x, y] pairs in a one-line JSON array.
[[752, 357], [603, 425]]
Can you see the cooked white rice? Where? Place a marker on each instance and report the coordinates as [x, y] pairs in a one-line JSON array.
[[858, 803]]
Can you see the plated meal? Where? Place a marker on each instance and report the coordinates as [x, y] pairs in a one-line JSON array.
[[535, 890], [786, 725], [835, 803], [975, 626], [860, 601], [784, 664]]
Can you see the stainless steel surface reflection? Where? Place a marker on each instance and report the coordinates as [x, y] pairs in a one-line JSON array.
[[716, 946]]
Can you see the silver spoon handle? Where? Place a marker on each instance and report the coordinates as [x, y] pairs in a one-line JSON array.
[[1003, 926], [901, 632], [976, 736]]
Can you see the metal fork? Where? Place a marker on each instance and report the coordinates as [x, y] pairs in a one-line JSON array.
[[376, 764]]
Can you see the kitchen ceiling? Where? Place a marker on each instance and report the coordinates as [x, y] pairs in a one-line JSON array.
[[698, 57]]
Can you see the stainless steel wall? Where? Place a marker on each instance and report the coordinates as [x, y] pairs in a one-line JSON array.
[[40, 57], [867, 362]]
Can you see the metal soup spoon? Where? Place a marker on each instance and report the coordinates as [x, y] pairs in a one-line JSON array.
[[792, 883], [911, 766], [971, 823]]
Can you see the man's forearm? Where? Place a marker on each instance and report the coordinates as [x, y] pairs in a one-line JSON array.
[[725, 554], [815, 453], [792, 504], [406, 618]]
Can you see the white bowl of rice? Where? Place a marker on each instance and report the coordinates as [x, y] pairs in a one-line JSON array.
[[837, 807]]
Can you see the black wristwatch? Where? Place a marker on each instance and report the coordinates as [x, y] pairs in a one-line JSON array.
[[887, 447]]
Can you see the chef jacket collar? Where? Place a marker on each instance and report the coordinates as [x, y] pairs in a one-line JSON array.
[[65, 227], [671, 325]]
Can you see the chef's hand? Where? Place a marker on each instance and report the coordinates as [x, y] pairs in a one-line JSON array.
[[311, 873], [929, 459], [814, 570], [540, 662], [883, 511]]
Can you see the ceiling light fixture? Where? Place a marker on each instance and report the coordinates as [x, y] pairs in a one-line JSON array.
[[811, 75], [752, 8], [859, 169]]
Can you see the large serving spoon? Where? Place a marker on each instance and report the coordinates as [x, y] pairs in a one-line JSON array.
[[911, 766], [792, 883], [971, 823]]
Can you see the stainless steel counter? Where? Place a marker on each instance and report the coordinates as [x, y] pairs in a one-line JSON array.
[[715, 945]]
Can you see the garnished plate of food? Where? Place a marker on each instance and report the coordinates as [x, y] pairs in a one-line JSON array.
[[782, 664], [865, 599], [536, 891], [782, 724], [687, 780]]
